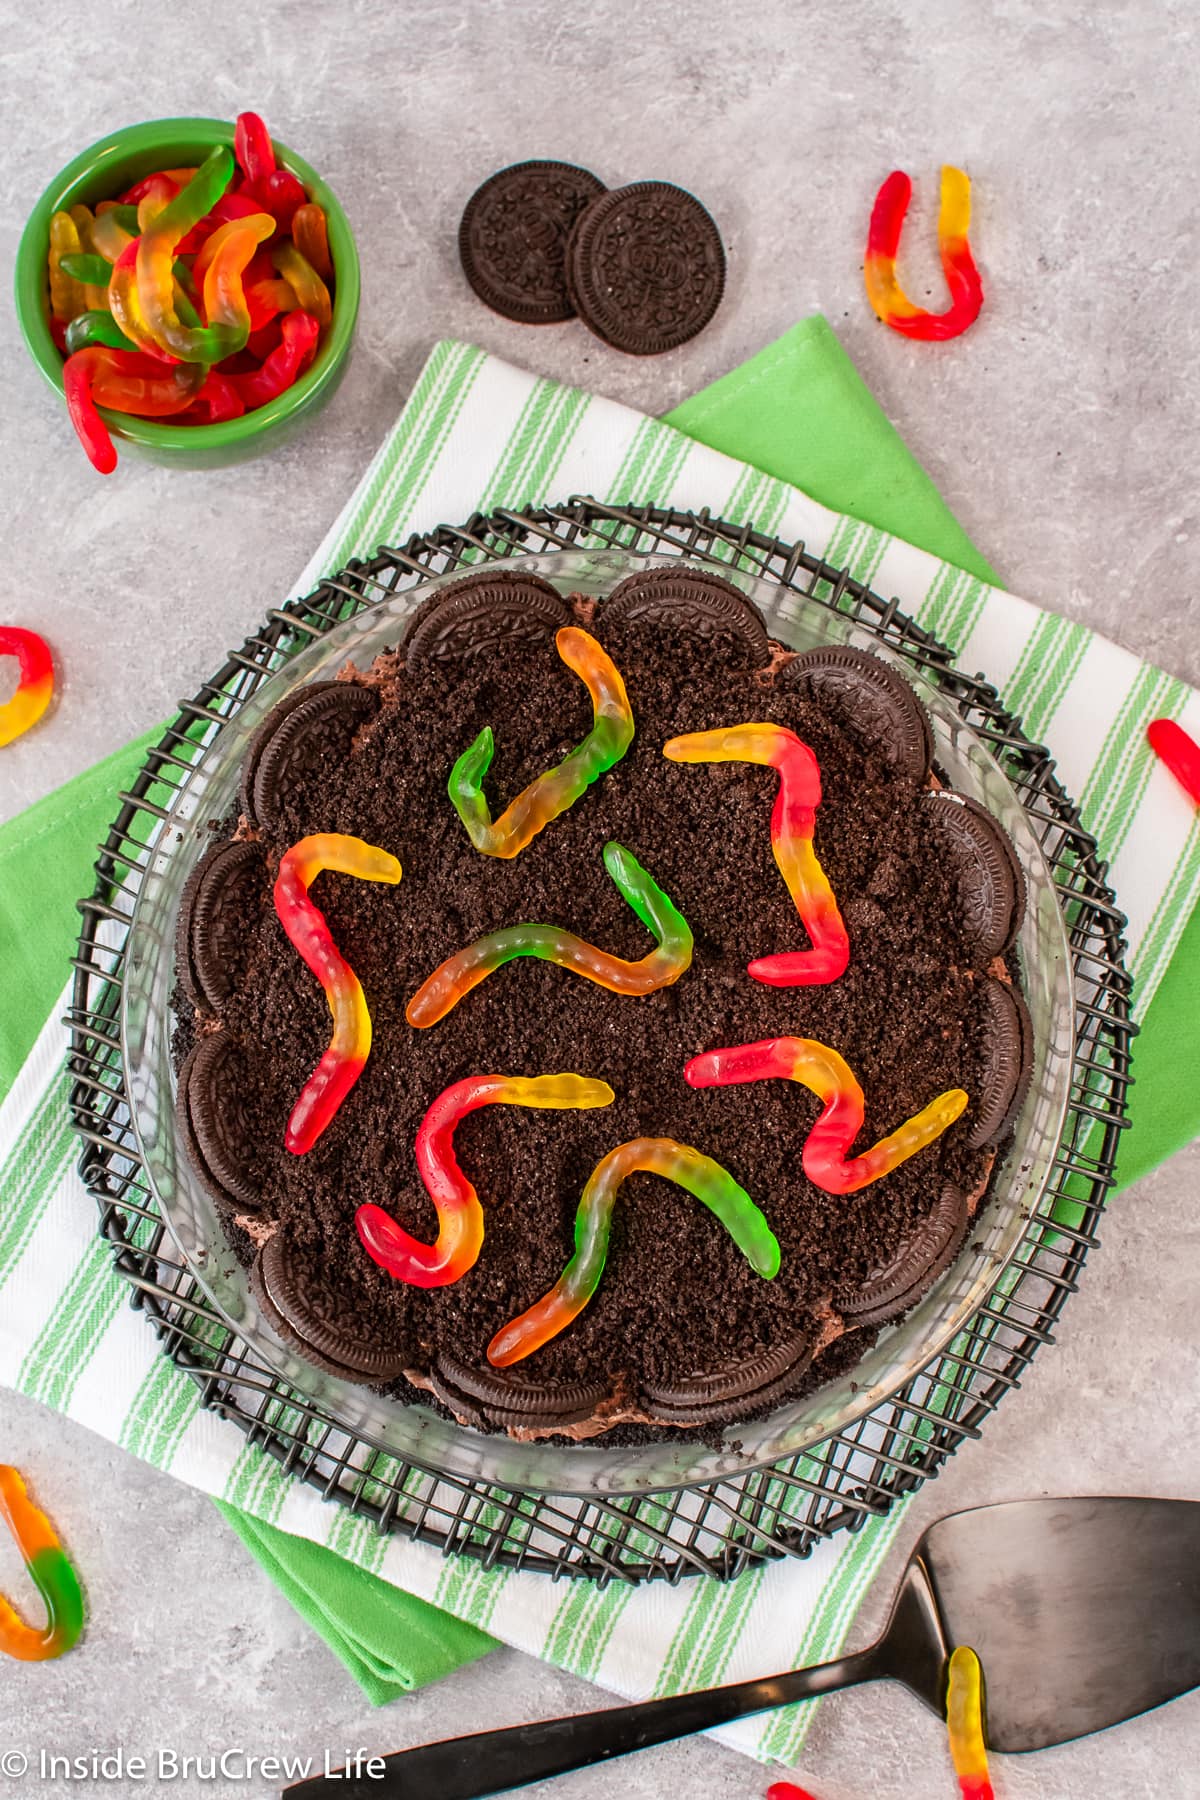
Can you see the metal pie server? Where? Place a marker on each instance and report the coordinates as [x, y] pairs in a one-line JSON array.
[[1084, 1612]]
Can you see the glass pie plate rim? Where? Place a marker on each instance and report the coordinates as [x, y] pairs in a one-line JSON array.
[[414, 1431]]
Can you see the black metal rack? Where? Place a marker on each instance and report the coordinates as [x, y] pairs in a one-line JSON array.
[[718, 1529]]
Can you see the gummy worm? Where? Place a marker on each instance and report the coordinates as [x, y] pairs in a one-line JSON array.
[[343, 1062], [91, 328], [312, 295], [89, 271], [793, 823], [126, 382], [559, 788], [110, 236], [1181, 753], [177, 177], [227, 253], [36, 681], [252, 146], [826, 1074], [155, 268], [964, 1720], [887, 297], [53, 1575], [283, 365], [460, 1216], [66, 296], [310, 234], [126, 307], [712, 1185], [467, 968]]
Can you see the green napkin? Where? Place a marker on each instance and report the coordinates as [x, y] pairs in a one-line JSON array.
[[391, 1642], [798, 411]]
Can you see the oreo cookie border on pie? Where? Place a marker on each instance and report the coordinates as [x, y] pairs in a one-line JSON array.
[[685, 598], [349, 716], [736, 1389], [516, 1401], [991, 882], [469, 618], [304, 1310], [1008, 1037], [906, 1276], [210, 934], [220, 1141], [317, 724], [871, 698]]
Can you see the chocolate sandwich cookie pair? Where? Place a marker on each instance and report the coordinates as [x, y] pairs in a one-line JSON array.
[[643, 266]]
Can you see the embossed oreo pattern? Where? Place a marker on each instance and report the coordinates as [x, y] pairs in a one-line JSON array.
[[473, 616], [504, 1400], [991, 886], [694, 601], [210, 945], [292, 1288], [266, 732], [871, 698], [217, 1129], [513, 237], [322, 727], [1008, 1040], [900, 1283], [733, 1390], [645, 267]]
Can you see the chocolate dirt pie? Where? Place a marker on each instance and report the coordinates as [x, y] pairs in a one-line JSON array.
[[599, 1017]]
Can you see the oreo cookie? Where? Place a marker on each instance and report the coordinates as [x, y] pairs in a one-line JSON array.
[[302, 1305], [645, 267], [266, 732], [211, 945], [513, 237], [217, 1130], [693, 601], [870, 698], [479, 613], [317, 730], [733, 1390], [900, 1282], [508, 1400], [987, 875], [1008, 1066]]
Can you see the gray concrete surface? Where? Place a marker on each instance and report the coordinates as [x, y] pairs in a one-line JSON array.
[[1063, 430]]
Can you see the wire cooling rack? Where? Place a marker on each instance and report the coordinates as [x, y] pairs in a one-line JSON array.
[[717, 1529]]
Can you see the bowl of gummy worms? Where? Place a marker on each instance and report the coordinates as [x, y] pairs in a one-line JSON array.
[[191, 287]]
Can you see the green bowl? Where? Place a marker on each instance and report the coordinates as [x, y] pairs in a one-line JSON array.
[[106, 170]]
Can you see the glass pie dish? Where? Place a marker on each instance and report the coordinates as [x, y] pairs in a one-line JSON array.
[[416, 1432]]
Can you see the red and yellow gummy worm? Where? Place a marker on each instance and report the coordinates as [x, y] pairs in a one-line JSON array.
[[1179, 751], [793, 823], [305, 924], [964, 1721], [825, 1157], [53, 1575], [35, 667], [460, 1216], [887, 297]]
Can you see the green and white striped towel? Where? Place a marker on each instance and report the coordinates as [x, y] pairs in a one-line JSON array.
[[477, 433]]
